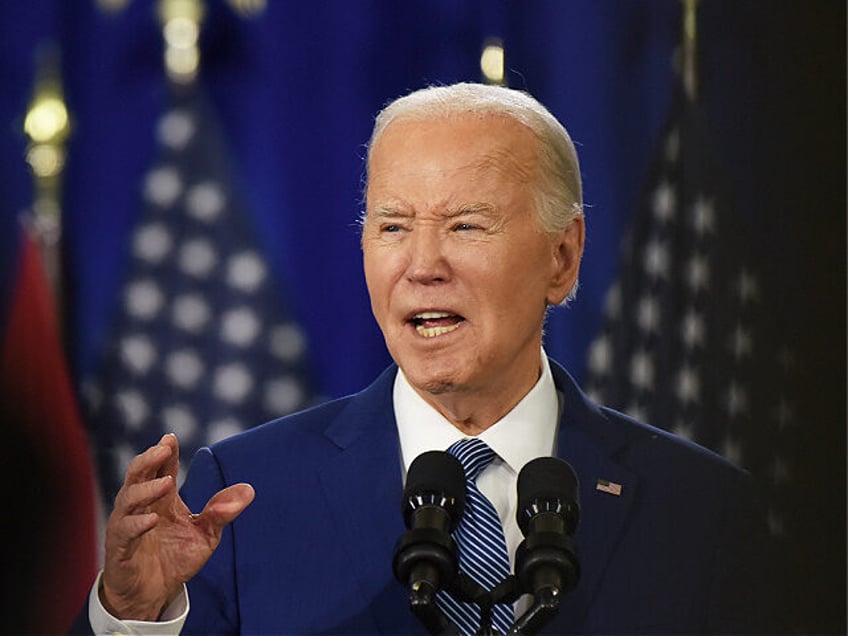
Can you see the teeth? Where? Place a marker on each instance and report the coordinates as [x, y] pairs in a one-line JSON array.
[[432, 332], [429, 315]]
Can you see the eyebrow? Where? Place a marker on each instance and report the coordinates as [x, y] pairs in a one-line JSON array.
[[385, 211], [485, 209]]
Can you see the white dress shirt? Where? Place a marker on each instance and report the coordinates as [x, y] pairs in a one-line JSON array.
[[526, 432]]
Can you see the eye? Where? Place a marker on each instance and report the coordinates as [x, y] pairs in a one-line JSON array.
[[465, 227]]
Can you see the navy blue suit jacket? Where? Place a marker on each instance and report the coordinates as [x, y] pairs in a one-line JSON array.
[[673, 553]]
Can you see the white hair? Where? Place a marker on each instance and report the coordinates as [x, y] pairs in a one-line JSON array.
[[559, 195]]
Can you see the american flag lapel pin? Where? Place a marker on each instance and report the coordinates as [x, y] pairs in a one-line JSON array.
[[609, 487]]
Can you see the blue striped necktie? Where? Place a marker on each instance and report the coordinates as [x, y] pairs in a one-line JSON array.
[[482, 546]]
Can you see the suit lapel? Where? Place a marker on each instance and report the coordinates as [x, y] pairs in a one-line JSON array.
[[363, 486], [589, 442]]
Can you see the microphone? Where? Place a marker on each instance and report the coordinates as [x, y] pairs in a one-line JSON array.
[[425, 558], [548, 511]]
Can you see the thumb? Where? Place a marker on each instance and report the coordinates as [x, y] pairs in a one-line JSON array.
[[227, 504]]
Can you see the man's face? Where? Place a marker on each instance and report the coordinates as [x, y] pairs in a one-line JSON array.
[[458, 268]]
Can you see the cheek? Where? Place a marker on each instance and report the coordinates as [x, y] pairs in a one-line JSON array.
[[378, 279]]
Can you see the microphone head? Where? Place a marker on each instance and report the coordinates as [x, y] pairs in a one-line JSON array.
[[548, 484], [434, 478]]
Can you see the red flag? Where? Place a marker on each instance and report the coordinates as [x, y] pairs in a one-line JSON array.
[[54, 536]]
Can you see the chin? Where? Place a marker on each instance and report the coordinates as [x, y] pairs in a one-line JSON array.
[[431, 381], [438, 387]]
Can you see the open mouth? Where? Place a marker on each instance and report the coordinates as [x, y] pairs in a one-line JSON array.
[[431, 324]]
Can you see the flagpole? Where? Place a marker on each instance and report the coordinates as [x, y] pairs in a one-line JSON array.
[[47, 125], [689, 67]]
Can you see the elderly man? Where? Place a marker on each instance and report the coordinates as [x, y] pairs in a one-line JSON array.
[[473, 229]]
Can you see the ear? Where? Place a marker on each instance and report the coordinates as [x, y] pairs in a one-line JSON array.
[[567, 253]]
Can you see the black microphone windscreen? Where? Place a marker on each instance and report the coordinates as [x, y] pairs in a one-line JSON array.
[[547, 479], [435, 472]]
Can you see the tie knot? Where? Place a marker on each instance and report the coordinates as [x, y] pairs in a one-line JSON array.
[[474, 455]]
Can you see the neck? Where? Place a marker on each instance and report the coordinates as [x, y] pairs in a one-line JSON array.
[[473, 411]]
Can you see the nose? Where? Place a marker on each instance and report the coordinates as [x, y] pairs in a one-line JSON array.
[[428, 263]]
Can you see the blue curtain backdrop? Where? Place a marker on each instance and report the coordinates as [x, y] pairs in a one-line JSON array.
[[296, 89]]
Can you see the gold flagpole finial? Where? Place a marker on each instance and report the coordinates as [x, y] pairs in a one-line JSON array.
[[689, 62], [248, 8], [181, 21], [492, 62], [48, 126]]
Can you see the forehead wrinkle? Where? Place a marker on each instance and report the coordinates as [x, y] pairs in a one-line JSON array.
[[506, 162]]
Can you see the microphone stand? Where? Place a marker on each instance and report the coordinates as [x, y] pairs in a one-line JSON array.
[[545, 607], [422, 602]]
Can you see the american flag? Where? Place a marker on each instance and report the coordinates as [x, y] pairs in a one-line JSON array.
[[203, 346], [692, 341]]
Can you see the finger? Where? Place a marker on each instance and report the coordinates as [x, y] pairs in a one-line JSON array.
[[122, 536], [134, 497], [226, 505], [144, 467], [172, 464]]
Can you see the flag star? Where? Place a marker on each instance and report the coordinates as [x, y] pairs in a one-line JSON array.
[[672, 146], [163, 186], [612, 303], [786, 358], [656, 259], [205, 201], [92, 393], [688, 386], [785, 414], [152, 242], [703, 216], [747, 287], [184, 368], [684, 429], [664, 202], [779, 471], [240, 326], [636, 411], [732, 450], [123, 454], [693, 329], [143, 299], [776, 526], [138, 353], [698, 273], [232, 383], [283, 395], [741, 342], [222, 429], [600, 356], [190, 312], [197, 257], [175, 129], [245, 271], [736, 400], [642, 370], [287, 342], [133, 408], [594, 393], [179, 420], [648, 314]]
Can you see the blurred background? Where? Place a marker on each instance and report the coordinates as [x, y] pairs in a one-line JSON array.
[[180, 183]]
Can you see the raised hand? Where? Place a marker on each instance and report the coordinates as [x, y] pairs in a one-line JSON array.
[[153, 542]]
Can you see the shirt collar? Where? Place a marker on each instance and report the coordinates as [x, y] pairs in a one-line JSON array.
[[526, 432]]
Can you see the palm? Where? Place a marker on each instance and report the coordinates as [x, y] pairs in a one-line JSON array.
[[153, 542]]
